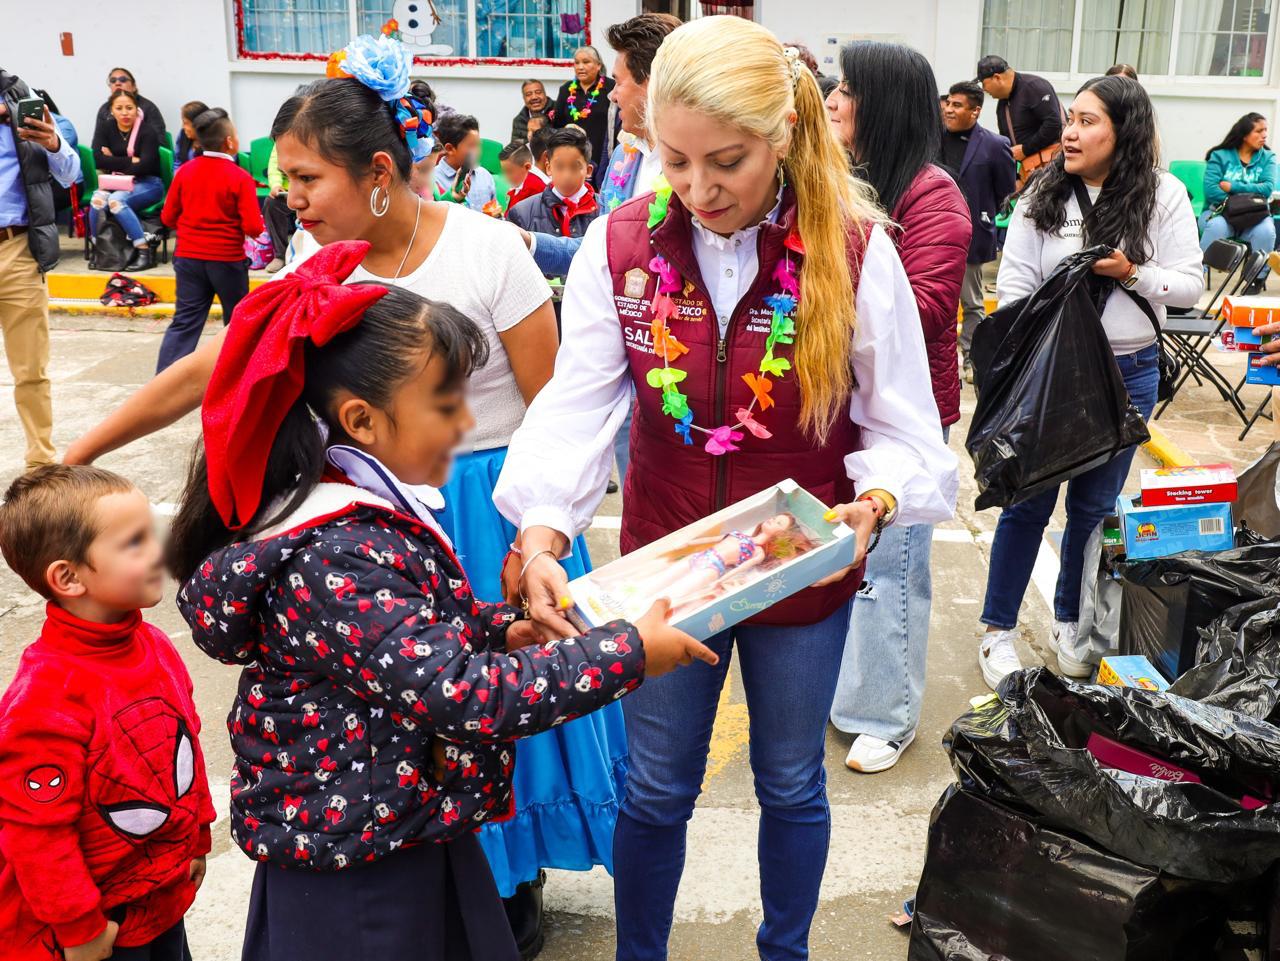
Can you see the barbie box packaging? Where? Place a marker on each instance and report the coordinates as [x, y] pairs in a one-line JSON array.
[[723, 569]]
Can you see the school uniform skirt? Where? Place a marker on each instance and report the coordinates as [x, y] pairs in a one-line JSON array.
[[568, 782], [430, 902]]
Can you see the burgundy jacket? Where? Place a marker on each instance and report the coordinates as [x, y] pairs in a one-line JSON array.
[[671, 483], [932, 236]]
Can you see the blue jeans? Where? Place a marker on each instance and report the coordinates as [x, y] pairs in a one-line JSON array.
[[1090, 497], [1261, 236], [882, 672], [124, 205], [789, 680]]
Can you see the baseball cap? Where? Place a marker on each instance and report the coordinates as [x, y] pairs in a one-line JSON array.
[[991, 65]]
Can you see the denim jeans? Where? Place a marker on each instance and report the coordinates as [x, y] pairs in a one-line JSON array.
[[882, 672], [124, 204], [789, 677], [1261, 236], [1090, 497]]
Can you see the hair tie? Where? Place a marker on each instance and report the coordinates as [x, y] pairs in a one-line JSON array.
[[260, 374], [795, 63]]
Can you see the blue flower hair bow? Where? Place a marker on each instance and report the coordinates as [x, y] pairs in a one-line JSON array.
[[381, 63], [414, 118]]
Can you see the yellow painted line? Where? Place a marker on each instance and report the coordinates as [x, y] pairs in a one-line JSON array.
[[729, 736], [1164, 450], [160, 312], [90, 286]]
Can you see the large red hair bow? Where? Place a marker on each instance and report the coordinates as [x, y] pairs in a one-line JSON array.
[[259, 374]]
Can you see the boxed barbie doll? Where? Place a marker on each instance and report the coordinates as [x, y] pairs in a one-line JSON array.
[[724, 568]]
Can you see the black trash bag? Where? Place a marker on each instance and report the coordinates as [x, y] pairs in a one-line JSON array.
[[1168, 599], [1257, 504], [1238, 662], [1051, 401], [1027, 748], [999, 885]]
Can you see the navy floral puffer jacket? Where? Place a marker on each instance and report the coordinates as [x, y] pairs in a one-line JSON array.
[[377, 695]]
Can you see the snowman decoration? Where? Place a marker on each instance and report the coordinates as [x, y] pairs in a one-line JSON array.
[[417, 20]]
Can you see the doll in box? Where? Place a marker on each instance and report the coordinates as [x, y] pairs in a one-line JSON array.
[[688, 579]]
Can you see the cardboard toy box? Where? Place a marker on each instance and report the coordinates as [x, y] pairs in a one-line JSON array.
[[1131, 670], [1161, 531], [624, 589], [1245, 337], [1259, 373], [1250, 311], [1195, 484]]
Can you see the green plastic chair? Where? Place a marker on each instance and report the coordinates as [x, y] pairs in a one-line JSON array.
[[1191, 173], [489, 150], [168, 140], [259, 154], [90, 171], [153, 212]]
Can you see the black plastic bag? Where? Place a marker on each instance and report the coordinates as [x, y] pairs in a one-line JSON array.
[[1257, 505], [998, 885], [1168, 599], [1027, 748], [1238, 662], [1051, 401]]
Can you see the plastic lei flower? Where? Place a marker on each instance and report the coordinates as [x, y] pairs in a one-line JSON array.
[[333, 68], [380, 63]]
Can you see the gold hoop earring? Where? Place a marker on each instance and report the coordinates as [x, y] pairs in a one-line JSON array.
[[379, 207]]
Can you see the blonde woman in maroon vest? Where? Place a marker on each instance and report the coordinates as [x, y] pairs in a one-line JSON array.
[[787, 311]]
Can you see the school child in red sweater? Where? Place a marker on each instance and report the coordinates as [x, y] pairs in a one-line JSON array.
[[213, 205], [104, 805]]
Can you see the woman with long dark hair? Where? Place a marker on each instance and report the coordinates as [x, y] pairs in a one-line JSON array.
[[885, 112], [1109, 159], [1241, 164]]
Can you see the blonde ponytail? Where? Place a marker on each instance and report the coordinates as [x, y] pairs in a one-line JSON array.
[[757, 88]]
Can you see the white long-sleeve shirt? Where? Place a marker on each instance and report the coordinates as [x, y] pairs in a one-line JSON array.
[[559, 461], [1173, 276]]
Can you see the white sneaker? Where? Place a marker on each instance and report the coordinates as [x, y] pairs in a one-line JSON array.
[[871, 755], [1063, 638], [997, 657]]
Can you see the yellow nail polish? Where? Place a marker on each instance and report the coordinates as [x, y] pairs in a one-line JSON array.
[[829, 516], [565, 603]]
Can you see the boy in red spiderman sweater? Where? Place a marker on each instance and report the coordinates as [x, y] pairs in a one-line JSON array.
[[104, 804]]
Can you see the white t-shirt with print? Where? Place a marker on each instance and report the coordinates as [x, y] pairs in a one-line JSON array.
[[481, 267]]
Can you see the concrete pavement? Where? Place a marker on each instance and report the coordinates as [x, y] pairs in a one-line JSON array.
[[879, 822]]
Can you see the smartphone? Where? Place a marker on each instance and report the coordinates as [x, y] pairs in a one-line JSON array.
[[464, 172], [30, 107]]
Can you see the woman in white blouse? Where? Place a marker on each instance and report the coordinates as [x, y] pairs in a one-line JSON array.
[[1108, 165], [759, 207]]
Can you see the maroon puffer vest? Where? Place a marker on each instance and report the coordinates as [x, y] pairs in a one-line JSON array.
[[671, 484]]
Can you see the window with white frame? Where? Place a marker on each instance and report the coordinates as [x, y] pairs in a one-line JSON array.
[[484, 30], [1187, 38]]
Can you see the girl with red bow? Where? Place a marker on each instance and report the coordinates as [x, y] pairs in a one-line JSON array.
[[349, 159], [329, 402]]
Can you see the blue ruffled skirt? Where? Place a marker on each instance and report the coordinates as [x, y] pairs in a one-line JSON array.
[[569, 781]]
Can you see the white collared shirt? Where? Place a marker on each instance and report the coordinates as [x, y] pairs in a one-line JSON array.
[[222, 156], [541, 174], [560, 459], [582, 192]]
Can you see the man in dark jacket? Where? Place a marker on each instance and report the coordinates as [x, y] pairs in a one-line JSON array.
[[983, 166], [535, 104], [1030, 115], [29, 155], [121, 79]]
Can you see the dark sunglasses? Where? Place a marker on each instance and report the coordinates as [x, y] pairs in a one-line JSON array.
[[120, 78]]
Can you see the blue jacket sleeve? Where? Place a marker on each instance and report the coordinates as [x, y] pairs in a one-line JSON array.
[[553, 254], [1267, 185], [1213, 172]]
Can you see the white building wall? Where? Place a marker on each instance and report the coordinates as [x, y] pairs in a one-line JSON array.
[[184, 51]]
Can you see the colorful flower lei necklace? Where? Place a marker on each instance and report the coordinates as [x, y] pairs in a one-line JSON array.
[[585, 112], [723, 439]]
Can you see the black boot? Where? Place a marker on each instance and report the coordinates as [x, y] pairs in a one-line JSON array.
[[144, 258], [524, 913]]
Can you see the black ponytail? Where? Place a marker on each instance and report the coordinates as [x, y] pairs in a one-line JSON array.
[[370, 361], [347, 123]]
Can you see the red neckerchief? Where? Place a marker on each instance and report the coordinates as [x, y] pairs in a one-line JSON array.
[[566, 210]]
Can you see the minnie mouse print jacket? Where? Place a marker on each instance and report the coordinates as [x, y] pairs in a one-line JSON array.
[[377, 697]]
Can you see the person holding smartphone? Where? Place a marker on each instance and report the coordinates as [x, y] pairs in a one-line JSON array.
[[31, 153], [459, 177]]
